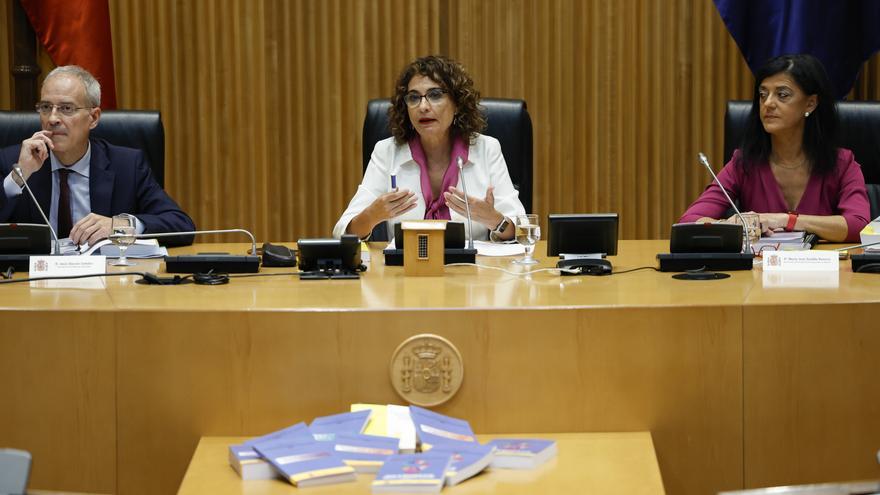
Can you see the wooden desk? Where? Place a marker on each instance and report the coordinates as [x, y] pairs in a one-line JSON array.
[[607, 463], [741, 385]]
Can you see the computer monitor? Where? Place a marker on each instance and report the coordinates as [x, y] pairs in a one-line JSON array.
[[585, 233], [706, 238], [25, 238], [329, 254]]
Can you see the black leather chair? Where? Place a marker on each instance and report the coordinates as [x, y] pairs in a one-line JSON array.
[[139, 129], [507, 121], [859, 131]]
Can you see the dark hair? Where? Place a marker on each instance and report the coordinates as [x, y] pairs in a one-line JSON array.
[[820, 128], [454, 79]]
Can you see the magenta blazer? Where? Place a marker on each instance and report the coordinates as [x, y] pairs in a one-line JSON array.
[[840, 192]]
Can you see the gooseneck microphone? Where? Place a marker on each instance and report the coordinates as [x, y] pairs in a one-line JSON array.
[[56, 246], [194, 232], [467, 207], [705, 161]]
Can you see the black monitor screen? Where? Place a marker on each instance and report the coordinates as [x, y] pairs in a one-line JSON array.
[[582, 234], [323, 254], [25, 238]]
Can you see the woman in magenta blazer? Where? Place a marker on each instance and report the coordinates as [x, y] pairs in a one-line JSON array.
[[788, 168]]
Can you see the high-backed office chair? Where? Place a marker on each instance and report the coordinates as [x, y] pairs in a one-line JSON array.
[[859, 131], [507, 121], [139, 129]]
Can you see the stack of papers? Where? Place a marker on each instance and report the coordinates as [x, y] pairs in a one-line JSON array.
[[783, 241], [871, 234], [142, 248]]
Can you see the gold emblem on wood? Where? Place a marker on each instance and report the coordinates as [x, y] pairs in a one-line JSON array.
[[426, 370]]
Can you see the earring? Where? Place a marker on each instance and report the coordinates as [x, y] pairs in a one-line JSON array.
[[806, 114]]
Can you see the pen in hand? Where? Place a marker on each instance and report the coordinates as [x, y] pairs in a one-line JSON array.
[[393, 182]]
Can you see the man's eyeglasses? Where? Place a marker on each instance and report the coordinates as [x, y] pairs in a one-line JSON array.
[[434, 97], [68, 109]]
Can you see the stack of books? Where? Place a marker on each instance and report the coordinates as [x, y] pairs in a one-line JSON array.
[[410, 449], [785, 241]]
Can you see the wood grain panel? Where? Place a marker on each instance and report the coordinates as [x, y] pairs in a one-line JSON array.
[[58, 386], [812, 372], [247, 373]]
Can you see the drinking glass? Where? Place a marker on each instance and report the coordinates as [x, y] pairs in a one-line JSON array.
[[752, 228], [122, 232], [528, 232]]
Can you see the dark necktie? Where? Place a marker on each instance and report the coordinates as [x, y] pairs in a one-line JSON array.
[[65, 219]]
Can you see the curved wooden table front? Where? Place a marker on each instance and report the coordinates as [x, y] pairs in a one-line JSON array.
[[740, 384]]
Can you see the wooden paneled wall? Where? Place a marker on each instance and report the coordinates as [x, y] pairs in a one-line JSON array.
[[263, 100]]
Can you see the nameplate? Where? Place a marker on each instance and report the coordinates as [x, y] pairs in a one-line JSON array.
[[800, 261], [66, 266]]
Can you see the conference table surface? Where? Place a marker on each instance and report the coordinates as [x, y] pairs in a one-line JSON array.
[[606, 463], [461, 287], [736, 379]]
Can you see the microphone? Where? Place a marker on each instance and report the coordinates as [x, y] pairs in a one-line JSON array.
[[204, 263], [467, 207], [56, 246], [705, 161], [194, 232]]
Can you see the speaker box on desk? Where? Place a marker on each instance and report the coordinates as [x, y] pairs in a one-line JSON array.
[[866, 262], [20, 262], [394, 257], [721, 262], [220, 263]]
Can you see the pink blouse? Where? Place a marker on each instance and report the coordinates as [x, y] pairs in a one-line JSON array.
[[840, 192], [435, 208]]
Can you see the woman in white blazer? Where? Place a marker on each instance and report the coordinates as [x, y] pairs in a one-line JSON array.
[[435, 120]]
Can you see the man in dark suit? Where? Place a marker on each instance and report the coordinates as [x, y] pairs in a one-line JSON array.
[[85, 181]]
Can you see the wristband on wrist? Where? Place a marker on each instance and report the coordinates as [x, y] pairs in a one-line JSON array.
[[792, 220]]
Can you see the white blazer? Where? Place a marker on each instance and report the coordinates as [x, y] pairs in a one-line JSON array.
[[485, 167]]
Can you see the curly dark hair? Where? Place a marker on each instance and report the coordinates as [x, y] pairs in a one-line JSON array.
[[820, 129], [454, 79]]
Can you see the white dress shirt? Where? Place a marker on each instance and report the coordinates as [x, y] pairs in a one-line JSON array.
[[485, 167]]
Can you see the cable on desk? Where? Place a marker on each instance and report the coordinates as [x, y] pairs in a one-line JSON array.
[[70, 277], [636, 269], [869, 268], [246, 275]]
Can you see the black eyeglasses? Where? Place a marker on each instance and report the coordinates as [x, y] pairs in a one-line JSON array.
[[67, 109], [434, 96]]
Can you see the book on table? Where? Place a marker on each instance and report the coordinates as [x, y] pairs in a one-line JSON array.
[[325, 428], [521, 453], [468, 459], [412, 473], [391, 421], [433, 428], [307, 464], [248, 463], [365, 453], [785, 241]]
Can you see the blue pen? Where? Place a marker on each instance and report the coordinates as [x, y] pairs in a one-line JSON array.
[[393, 182]]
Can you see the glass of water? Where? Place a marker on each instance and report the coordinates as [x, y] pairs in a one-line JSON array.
[[122, 235], [528, 232]]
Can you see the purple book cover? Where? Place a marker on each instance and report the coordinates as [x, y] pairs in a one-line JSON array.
[[357, 450], [298, 432], [306, 462], [325, 428], [525, 447], [413, 469], [434, 428]]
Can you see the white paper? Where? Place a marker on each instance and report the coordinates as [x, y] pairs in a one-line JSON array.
[[795, 261], [486, 248], [67, 266]]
